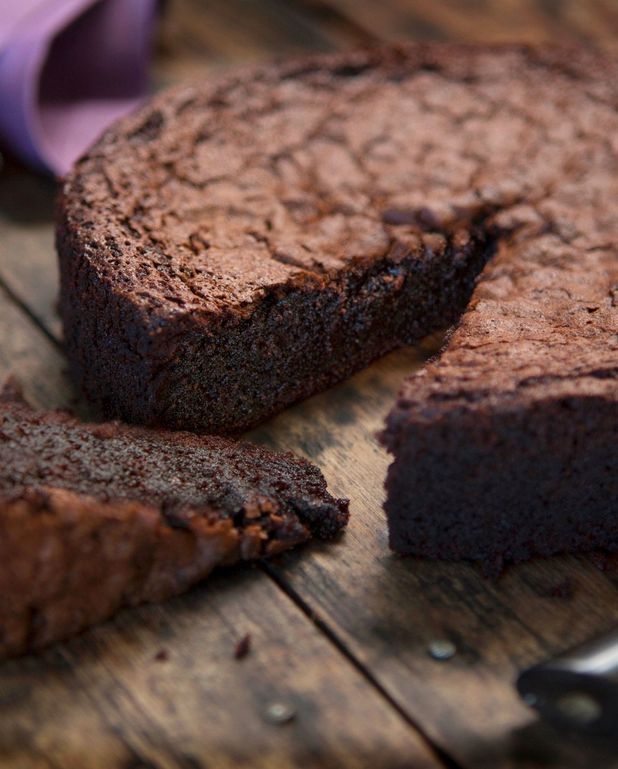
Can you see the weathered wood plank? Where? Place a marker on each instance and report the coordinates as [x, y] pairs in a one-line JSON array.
[[160, 686], [485, 21], [26, 240], [233, 31], [39, 366]]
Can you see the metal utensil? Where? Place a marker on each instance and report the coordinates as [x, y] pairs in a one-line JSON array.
[[579, 689]]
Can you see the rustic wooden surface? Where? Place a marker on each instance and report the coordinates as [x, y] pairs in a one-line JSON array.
[[339, 632]]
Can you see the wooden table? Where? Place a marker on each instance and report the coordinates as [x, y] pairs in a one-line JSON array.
[[340, 633]]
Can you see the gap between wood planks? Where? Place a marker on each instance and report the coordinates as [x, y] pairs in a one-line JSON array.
[[332, 636], [23, 306]]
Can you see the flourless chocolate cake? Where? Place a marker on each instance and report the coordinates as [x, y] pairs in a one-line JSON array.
[[97, 517], [236, 246]]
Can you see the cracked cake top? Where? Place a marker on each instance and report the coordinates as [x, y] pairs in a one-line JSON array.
[[213, 193]]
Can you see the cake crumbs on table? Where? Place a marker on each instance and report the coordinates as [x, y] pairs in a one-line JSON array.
[[243, 647], [563, 589]]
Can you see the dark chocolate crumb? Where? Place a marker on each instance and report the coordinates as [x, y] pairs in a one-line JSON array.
[[563, 589], [243, 647]]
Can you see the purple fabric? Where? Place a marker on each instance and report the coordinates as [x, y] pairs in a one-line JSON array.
[[68, 68]]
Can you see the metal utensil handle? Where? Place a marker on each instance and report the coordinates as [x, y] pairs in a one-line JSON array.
[[579, 689]]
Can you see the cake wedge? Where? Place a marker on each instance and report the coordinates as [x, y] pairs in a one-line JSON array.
[[96, 517]]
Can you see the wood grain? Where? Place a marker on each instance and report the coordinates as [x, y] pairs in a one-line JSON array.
[[39, 366], [161, 686], [27, 240], [225, 32], [593, 22]]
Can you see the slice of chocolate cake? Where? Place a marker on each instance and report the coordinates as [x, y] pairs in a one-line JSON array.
[[237, 246], [97, 517]]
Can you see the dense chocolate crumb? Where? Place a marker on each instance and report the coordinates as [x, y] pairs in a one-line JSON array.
[[243, 647], [563, 589], [97, 517], [240, 245]]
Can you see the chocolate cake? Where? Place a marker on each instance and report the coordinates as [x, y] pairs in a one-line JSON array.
[[239, 245], [97, 517]]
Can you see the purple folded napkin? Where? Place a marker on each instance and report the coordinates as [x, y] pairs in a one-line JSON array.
[[68, 68]]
